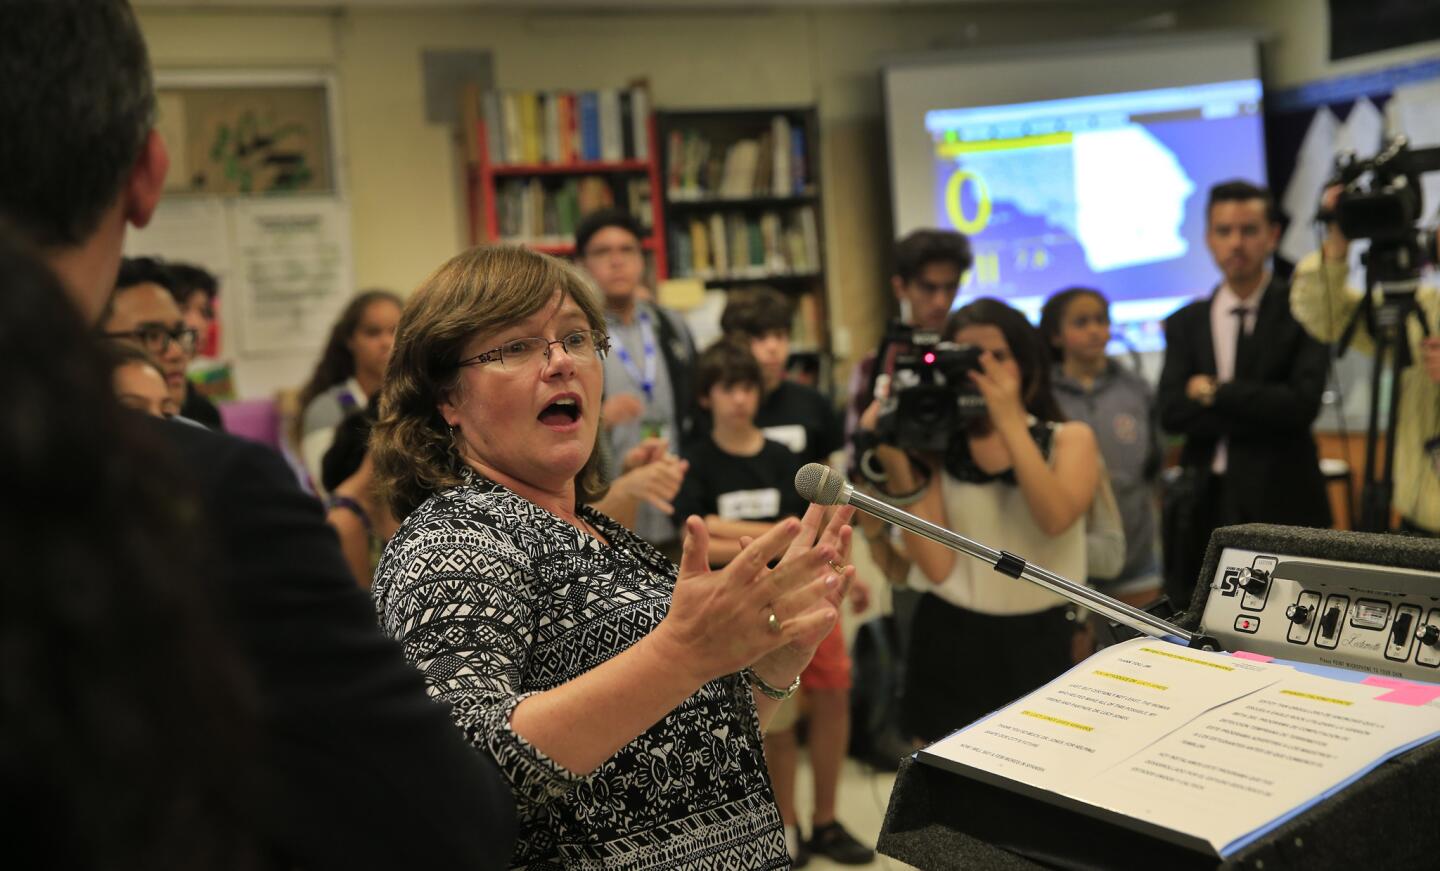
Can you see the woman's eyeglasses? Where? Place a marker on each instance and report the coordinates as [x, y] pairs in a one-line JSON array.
[[155, 338], [522, 353]]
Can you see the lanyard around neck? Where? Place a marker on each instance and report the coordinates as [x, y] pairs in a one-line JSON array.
[[645, 379]]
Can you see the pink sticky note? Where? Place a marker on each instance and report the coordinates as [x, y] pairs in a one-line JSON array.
[[1258, 657], [1404, 692]]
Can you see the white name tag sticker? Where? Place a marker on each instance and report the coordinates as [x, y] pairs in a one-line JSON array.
[[791, 435], [749, 504]]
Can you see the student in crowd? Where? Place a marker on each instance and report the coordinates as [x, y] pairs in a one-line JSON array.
[[1323, 302], [621, 696], [1242, 383], [196, 290], [350, 370], [354, 508], [1117, 405], [796, 415], [1017, 479], [344, 729], [802, 419], [928, 267], [138, 381], [143, 310], [127, 724], [648, 370], [740, 482]]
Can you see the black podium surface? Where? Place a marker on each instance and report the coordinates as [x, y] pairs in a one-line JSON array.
[[1390, 818], [937, 820]]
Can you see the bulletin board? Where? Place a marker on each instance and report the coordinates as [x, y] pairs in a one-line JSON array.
[[255, 194], [247, 140]]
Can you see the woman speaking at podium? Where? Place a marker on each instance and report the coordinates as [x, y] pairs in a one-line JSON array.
[[623, 701], [1018, 479]]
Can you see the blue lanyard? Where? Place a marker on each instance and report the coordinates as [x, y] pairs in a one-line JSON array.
[[647, 341]]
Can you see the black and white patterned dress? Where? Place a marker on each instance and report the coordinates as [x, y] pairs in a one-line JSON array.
[[495, 598]]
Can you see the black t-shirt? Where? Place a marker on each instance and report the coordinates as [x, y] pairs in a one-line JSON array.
[[760, 488], [798, 417]]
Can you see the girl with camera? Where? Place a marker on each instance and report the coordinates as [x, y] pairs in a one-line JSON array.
[[1016, 478]]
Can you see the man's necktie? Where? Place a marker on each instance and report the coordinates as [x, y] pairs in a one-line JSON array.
[[1242, 339]]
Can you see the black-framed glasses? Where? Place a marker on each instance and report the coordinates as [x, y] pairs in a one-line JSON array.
[[155, 338], [581, 345]]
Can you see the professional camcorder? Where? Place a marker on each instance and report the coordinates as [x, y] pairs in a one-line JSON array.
[[930, 396], [1380, 200]]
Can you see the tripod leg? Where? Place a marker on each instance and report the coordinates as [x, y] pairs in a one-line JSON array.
[[1374, 497]]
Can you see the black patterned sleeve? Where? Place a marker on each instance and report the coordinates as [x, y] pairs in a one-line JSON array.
[[462, 600]]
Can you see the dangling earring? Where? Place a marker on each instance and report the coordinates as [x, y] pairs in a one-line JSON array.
[[457, 457]]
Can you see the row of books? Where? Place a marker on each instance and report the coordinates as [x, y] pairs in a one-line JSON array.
[[547, 210], [770, 164], [565, 127], [736, 245]]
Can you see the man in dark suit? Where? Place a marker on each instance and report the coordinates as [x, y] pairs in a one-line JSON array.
[[359, 768], [1242, 382]]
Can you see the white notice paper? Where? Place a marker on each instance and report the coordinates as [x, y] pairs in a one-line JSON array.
[[1212, 747], [293, 274]]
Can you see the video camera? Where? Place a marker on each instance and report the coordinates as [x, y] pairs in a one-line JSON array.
[[931, 396], [1381, 200]]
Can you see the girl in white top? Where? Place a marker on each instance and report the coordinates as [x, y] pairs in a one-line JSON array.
[[1016, 479], [349, 372]]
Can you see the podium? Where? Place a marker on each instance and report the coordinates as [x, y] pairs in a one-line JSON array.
[[1389, 818], [938, 820]]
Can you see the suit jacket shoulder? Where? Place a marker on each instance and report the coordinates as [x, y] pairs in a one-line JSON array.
[[348, 728]]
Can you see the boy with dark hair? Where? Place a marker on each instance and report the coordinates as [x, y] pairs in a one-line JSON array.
[[739, 481], [796, 415], [345, 723], [195, 291], [647, 372], [803, 420], [929, 265]]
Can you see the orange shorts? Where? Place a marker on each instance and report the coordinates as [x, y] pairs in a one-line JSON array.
[[830, 667]]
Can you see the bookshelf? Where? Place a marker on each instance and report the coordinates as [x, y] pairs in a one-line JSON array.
[[538, 161], [742, 202]]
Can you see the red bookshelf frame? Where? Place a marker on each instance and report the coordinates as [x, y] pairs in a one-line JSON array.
[[485, 218]]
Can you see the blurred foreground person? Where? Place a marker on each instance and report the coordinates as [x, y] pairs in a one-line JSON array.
[[344, 728], [127, 725]]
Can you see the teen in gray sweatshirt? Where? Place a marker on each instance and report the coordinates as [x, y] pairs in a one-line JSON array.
[[1118, 406]]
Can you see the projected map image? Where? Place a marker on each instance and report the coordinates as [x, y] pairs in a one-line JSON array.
[[1105, 191]]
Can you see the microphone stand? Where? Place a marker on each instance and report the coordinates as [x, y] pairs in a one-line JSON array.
[[1014, 566]]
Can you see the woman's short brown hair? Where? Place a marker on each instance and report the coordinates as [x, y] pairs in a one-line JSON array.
[[479, 290]]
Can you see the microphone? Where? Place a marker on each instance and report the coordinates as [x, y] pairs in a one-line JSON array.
[[823, 485]]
